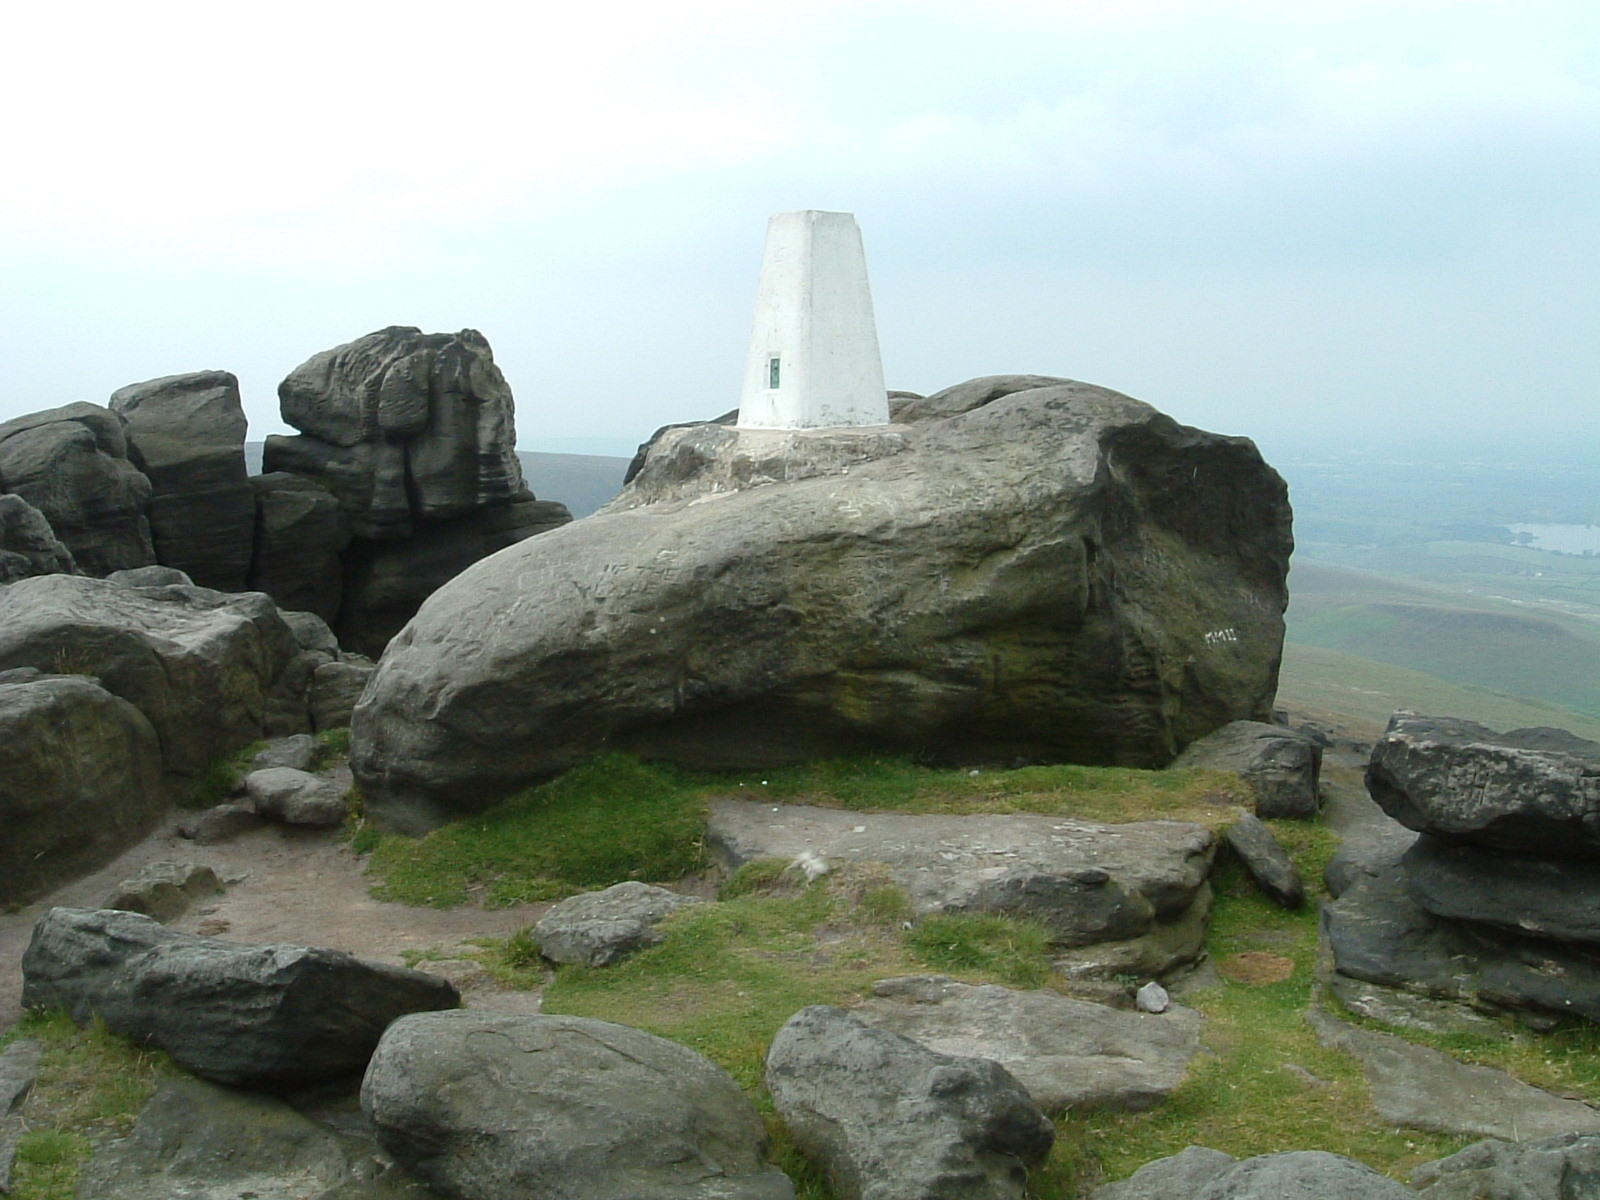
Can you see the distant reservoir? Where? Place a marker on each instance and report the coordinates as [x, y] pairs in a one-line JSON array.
[[1563, 539]]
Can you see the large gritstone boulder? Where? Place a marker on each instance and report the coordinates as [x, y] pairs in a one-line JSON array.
[[1201, 1174], [496, 1107], [200, 665], [72, 465], [1062, 573], [385, 582], [186, 433], [247, 1016], [889, 1119], [401, 425], [28, 546], [80, 781]]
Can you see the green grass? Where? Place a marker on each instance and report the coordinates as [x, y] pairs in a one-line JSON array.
[[616, 818], [215, 786], [729, 975], [612, 819], [91, 1085]]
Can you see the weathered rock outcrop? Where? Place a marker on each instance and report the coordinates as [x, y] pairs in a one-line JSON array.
[[1563, 1167], [498, 1107], [80, 780], [1282, 766], [888, 1119], [250, 1016], [1061, 573], [1070, 1054], [1496, 904], [71, 464], [28, 546], [1530, 791], [200, 665], [400, 426], [163, 891], [186, 433]]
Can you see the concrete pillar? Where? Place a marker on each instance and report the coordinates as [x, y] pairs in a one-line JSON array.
[[814, 360]]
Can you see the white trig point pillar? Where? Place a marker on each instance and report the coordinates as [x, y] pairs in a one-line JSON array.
[[814, 361]]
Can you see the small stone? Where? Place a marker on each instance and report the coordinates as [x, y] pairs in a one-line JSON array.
[[1152, 998]]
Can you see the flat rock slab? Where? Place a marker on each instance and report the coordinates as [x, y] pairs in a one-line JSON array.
[[19, 1067], [1563, 1167], [1069, 1054], [1084, 881], [164, 890], [1201, 1174], [296, 797], [1422, 1088], [599, 928], [242, 1015]]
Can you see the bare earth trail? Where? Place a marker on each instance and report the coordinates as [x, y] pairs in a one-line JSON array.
[[283, 885]]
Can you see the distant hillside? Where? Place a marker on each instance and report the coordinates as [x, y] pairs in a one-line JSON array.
[[583, 482]]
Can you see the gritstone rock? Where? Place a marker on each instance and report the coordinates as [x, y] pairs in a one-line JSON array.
[[297, 752], [164, 890], [598, 928], [80, 781], [888, 1119], [249, 1016], [72, 465], [1268, 863], [296, 797], [1554, 898], [1530, 791], [1086, 882], [1062, 573], [299, 534], [28, 546], [1070, 1054], [1282, 766], [1177, 1177], [400, 425], [186, 433], [1564, 1167], [200, 665], [498, 1107]]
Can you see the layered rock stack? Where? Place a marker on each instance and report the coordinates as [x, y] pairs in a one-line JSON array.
[[407, 447], [1497, 903]]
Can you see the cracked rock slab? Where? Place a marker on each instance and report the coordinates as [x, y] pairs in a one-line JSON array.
[[1084, 881], [1069, 1054], [1422, 1088]]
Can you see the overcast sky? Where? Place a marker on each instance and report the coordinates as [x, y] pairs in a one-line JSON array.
[[1287, 220]]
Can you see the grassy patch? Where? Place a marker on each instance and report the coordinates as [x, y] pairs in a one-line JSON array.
[[1091, 793], [91, 1086], [1016, 953], [616, 818], [221, 778], [612, 819]]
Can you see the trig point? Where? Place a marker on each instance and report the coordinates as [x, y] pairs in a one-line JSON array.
[[814, 361]]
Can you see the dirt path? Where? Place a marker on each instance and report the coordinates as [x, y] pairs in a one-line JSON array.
[[283, 885]]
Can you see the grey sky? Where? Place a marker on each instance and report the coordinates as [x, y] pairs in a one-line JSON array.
[[1286, 221]]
